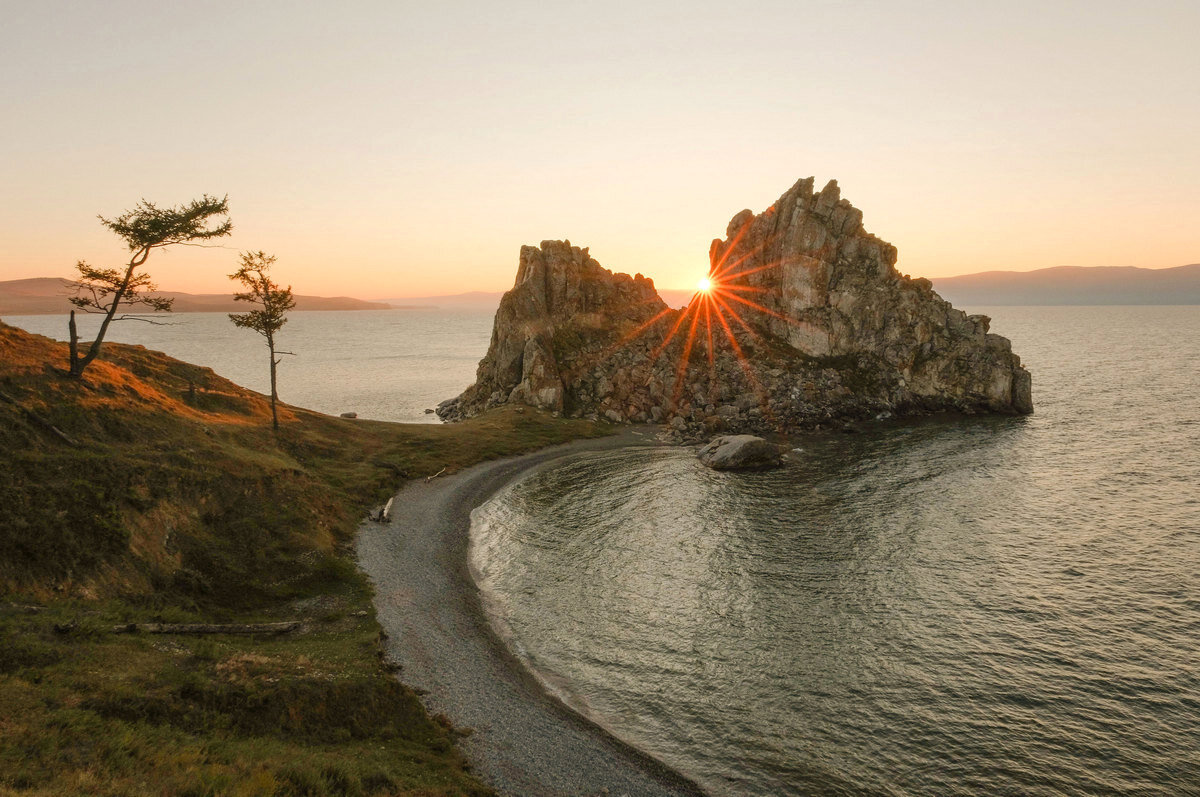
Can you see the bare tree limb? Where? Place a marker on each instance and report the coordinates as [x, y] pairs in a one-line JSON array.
[[208, 628], [146, 320], [39, 420]]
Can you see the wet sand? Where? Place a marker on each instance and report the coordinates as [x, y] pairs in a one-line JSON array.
[[524, 742]]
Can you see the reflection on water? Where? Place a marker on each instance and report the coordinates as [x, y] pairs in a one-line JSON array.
[[985, 605]]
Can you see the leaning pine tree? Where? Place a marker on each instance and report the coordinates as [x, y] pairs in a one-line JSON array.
[[270, 315], [145, 228]]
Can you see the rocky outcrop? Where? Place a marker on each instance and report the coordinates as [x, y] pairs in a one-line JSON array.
[[740, 452], [562, 303], [808, 323], [830, 289]]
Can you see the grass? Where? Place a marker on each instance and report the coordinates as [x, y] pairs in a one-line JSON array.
[[179, 504]]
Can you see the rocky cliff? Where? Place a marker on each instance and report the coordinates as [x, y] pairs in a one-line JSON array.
[[807, 322]]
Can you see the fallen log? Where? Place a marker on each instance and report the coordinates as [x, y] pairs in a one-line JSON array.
[[207, 628], [39, 420], [22, 608]]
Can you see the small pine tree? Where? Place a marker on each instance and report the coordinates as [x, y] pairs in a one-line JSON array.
[[270, 315]]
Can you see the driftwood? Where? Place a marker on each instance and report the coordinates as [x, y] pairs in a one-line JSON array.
[[207, 628], [428, 479], [22, 608], [39, 420], [385, 514]]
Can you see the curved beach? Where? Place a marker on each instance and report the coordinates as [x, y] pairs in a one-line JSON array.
[[524, 742]]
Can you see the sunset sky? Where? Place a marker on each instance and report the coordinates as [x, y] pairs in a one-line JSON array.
[[389, 149]]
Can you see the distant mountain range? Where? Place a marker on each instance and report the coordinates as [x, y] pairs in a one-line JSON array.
[[490, 300], [474, 300], [1047, 286], [1074, 285], [44, 295]]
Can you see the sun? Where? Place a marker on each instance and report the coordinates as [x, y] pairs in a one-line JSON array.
[[716, 307]]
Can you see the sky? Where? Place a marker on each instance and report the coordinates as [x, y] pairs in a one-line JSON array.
[[392, 149]]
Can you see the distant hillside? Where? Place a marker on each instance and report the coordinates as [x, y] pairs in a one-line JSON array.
[[43, 295], [1074, 285], [485, 300], [1047, 286], [473, 300]]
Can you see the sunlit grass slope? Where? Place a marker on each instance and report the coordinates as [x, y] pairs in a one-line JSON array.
[[171, 500]]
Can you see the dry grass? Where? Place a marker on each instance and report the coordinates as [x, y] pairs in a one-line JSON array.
[[180, 504]]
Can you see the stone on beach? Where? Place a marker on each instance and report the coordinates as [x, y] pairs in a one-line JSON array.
[[740, 452]]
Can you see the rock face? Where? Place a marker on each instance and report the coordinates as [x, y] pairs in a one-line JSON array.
[[563, 301], [739, 452], [808, 323]]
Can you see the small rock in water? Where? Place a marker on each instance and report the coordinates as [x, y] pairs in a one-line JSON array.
[[348, 415], [739, 452]]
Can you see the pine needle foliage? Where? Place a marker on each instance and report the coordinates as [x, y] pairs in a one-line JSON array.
[[271, 313], [145, 228]]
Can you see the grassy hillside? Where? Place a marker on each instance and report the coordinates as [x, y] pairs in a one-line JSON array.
[[163, 496]]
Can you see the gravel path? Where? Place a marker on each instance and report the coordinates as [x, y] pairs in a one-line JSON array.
[[524, 742]]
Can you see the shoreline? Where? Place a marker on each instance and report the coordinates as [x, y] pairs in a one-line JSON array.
[[523, 739]]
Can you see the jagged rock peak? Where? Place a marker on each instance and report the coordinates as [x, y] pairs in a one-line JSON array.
[[831, 289], [809, 322], [561, 295]]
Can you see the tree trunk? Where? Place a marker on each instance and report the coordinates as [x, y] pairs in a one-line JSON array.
[[77, 365], [274, 398], [94, 350], [73, 365]]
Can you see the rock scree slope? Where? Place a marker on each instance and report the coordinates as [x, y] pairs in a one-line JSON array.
[[808, 323]]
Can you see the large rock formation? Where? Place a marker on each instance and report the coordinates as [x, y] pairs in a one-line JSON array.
[[808, 322]]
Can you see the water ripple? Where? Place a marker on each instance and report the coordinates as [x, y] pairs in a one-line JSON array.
[[991, 605]]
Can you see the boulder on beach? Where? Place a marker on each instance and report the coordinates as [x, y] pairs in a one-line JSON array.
[[740, 452]]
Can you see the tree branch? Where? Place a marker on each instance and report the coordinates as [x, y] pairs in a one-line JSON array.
[[146, 320]]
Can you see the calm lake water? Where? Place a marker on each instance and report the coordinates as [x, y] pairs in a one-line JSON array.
[[975, 606], [971, 606], [389, 365]]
